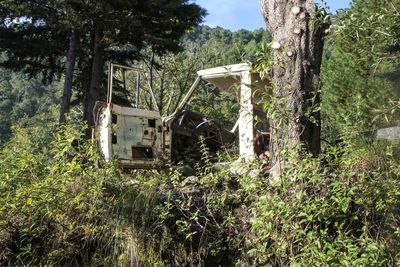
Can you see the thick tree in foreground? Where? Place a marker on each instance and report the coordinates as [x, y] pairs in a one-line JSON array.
[[297, 29]]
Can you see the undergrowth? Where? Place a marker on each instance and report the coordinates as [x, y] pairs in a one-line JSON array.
[[61, 206]]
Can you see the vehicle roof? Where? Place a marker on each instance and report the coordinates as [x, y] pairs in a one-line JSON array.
[[228, 78]]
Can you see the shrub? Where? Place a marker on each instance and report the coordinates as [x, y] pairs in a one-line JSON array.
[[59, 207]]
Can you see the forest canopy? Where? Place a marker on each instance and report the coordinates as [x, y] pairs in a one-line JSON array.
[[34, 37]]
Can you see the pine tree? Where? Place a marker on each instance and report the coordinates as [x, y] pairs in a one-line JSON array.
[[35, 36], [360, 73]]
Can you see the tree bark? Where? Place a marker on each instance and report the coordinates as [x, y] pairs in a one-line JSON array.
[[162, 85], [93, 91], [69, 73], [297, 32]]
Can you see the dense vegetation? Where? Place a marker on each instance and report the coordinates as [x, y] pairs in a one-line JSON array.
[[60, 205], [361, 69], [25, 102]]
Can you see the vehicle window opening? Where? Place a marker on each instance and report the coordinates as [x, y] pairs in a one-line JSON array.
[[129, 87], [152, 123], [114, 138], [114, 119], [142, 152]]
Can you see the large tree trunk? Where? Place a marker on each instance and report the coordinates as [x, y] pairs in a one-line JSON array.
[[297, 32], [69, 73], [93, 91]]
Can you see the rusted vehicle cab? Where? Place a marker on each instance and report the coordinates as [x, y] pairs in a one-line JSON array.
[[130, 127]]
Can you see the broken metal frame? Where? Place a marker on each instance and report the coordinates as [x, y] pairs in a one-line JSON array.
[[139, 71], [245, 122]]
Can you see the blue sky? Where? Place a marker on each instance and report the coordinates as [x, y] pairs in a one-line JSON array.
[[244, 14]]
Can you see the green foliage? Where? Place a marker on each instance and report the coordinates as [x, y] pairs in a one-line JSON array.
[[219, 47], [59, 207], [341, 213], [25, 101], [55, 208], [125, 28], [360, 67], [263, 59], [339, 210], [205, 47]]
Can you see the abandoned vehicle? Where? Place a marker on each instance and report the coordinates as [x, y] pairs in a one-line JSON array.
[[131, 128]]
